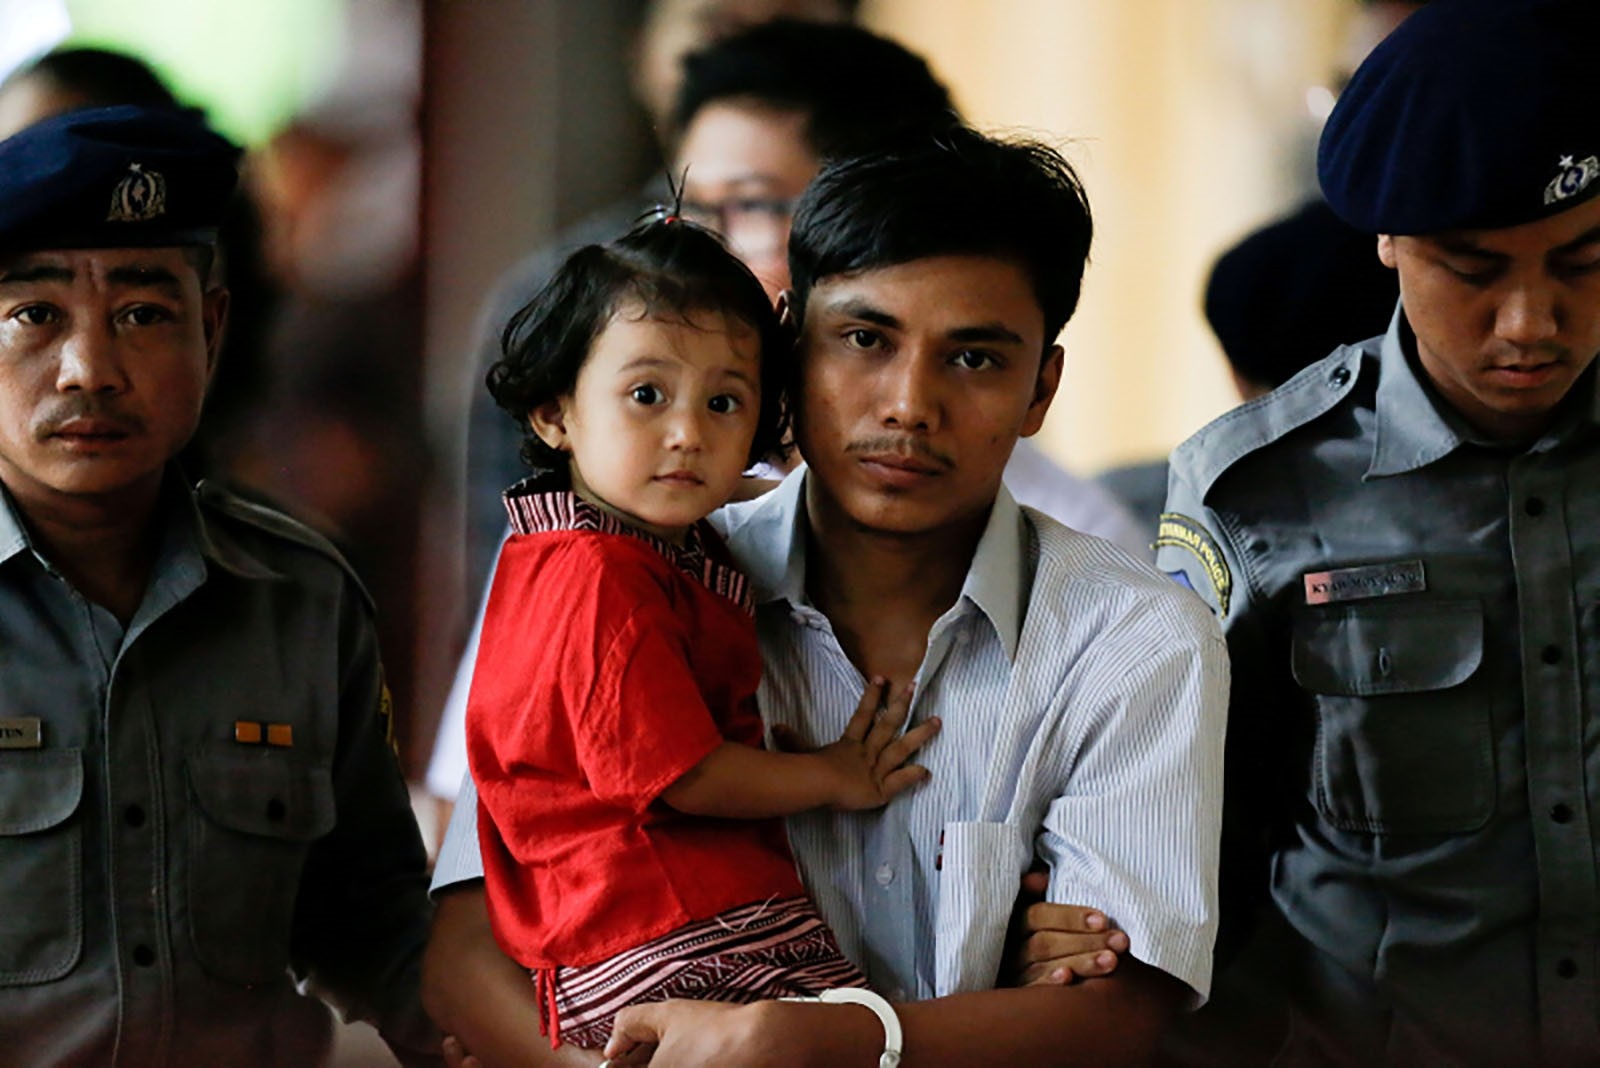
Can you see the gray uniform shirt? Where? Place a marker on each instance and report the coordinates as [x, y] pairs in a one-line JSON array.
[[168, 877], [1414, 619]]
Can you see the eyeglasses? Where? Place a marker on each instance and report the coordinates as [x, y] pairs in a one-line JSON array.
[[752, 226]]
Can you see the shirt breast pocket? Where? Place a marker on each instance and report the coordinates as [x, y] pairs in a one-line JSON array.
[[256, 814], [41, 865], [1404, 740]]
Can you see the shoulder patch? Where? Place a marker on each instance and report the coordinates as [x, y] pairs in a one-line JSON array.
[[1235, 434], [217, 499], [1181, 532]]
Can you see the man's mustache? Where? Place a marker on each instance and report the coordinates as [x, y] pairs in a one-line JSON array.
[[93, 408], [899, 445]]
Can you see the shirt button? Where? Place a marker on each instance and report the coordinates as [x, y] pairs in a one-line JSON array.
[[1550, 654], [133, 816], [275, 811], [1340, 376], [1533, 506], [1567, 968], [144, 956], [884, 875], [1561, 813]]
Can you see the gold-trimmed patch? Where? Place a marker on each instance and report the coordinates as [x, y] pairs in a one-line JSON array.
[[1181, 532]]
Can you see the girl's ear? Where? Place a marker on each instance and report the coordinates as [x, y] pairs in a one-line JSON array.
[[549, 421]]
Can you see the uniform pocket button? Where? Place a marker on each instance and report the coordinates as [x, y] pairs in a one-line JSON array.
[[1339, 377], [144, 956], [133, 816], [1533, 506], [1561, 813], [1550, 654], [1567, 968], [275, 811]]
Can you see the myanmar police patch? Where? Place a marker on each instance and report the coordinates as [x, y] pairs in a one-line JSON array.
[[1180, 532]]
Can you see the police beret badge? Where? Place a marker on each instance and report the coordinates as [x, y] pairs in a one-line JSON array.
[[1573, 178], [119, 177]]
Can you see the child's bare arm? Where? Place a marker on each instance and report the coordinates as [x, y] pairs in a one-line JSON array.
[[863, 769]]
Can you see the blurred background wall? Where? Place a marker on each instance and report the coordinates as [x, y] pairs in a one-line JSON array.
[[407, 151]]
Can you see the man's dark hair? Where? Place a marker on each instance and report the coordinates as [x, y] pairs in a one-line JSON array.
[[954, 193], [103, 78], [856, 89], [674, 270]]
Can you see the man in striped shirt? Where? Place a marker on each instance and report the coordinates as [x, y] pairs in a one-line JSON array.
[[1083, 695]]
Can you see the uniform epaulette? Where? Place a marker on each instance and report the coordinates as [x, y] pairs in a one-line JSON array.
[[1236, 434], [215, 498]]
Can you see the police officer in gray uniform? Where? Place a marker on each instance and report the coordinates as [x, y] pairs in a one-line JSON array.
[[199, 804], [1403, 543]]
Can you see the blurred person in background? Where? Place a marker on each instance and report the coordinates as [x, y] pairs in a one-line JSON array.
[[1279, 301], [1289, 292], [339, 434]]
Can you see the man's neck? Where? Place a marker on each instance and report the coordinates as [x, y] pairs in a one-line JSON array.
[[104, 546], [883, 592]]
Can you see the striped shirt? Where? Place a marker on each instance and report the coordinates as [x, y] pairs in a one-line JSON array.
[[1083, 697]]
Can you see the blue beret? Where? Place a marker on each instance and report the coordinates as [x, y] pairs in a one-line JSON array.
[[114, 178], [1473, 114]]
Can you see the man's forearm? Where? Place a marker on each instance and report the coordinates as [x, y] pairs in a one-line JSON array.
[[1117, 1020], [484, 998]]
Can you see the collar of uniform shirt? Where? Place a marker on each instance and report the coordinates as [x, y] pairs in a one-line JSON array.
[[768, 540], [1412, 430], [13, 539]]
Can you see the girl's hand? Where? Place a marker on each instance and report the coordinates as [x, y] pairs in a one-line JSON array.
[[869, 760]]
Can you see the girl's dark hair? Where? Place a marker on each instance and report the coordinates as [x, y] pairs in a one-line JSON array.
[[674, 269]]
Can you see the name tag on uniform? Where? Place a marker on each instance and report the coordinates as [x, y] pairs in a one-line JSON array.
[[22, 732], [1358, 583]]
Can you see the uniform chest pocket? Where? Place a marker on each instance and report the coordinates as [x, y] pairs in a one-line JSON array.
[[41, 864], [256, 813], [1404, 739]]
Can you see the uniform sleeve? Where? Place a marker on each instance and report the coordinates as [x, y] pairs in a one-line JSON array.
[[362, 916], [1196, 545], [1136, 828]]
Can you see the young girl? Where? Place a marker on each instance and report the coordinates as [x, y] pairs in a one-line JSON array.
[[629, 818]]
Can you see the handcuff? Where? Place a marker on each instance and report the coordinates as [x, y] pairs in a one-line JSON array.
[[893, 1037]]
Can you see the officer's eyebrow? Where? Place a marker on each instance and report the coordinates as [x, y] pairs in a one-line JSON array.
[[144, 276], [1589, 237], [1461, 245], [27, 273]]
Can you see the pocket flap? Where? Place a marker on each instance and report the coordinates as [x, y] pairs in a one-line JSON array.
[[264, 792], [39, 788], [1367, 650]]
